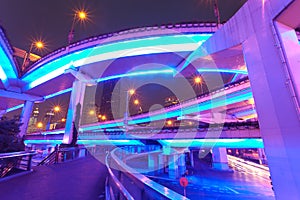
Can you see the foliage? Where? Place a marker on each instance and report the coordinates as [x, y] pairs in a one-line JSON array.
[[9, 138]]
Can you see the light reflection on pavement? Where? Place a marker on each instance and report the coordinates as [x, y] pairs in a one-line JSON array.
[[205, 183]]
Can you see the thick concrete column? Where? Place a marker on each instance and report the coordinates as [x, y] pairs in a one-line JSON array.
[[74, 110], [192, 158], [161, 163], [173, 166], [25, 117], [272, 58], [152, 162], [262, 156], [219, 159], [181, 164]]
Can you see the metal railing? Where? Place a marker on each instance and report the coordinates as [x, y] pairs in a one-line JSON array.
[[114, 189], [15, 162], [132, 185], [64, 154]]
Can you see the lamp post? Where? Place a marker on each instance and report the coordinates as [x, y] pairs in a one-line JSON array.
[[137, 103], [79, 15], [128, 94], [26, 61], [51, 113], [217, 13]]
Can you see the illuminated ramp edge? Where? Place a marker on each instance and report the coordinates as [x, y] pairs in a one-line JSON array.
[[234, 94], [7, 65], [133, 47]]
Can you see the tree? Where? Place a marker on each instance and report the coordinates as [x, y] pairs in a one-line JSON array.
[[9, 135]]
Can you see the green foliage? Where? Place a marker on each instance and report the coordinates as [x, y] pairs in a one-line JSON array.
[[9, 138]]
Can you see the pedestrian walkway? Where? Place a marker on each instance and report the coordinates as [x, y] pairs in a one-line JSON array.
[[82, 179]]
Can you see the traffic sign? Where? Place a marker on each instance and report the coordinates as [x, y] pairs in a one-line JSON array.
[[183, 181]]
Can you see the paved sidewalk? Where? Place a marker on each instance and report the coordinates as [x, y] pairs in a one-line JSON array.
[[82, 179]]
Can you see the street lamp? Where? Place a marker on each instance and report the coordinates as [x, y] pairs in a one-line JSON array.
[[169, 122], [198, 80], [51, 113], [79, 15], [91, 112], [128, 94], [136, 102], [39, 125], [26, 61]]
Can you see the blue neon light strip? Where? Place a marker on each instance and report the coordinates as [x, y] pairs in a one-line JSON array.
[[3, 76], [139, 73], [167, 43], [6, 65], [14, 108], [203, 106], [88, 142], [232, 71], [58, 93], [234, 78], [229, 143], [53, 132]]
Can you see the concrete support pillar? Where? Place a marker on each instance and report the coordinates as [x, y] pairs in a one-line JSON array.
[[161, 163], [192, 158], [2, 112], [272, 58], [173, 166], [181, 164], [25, 116], [152, 162], [74, 110], [262, 156], [220, 161]]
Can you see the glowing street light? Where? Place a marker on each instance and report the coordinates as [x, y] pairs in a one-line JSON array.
[[131, 91], [39, 125], [51, 113], [91, 112], [198, 80], [136, 102], [63, 120], [169, 122], [36, 44], [103, 117], [79, 15], [82, 15], [56, 109]]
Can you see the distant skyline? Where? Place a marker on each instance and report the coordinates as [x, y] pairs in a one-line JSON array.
[[28, 20]]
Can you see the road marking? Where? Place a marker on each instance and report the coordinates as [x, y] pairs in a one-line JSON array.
[[232, 190]]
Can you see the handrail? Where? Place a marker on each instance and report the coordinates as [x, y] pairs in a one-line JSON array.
[[164, 191], [121, 188], [54, 157], [49, 158], [15, 160], [17, 154]]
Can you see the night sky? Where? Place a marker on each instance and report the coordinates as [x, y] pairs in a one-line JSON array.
[[50, 20], [27, 20]]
